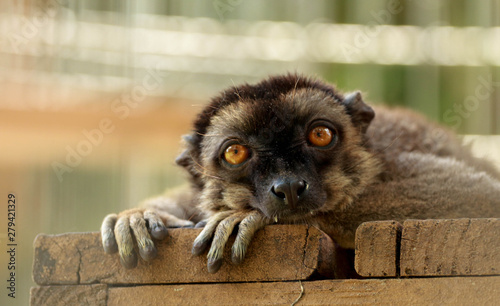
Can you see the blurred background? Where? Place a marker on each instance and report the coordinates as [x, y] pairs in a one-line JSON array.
[[96, 94]]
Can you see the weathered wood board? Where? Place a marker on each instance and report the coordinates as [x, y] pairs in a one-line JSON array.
[[377, 249], [278, 253], [450, 247], [416, 291], [72, 269]]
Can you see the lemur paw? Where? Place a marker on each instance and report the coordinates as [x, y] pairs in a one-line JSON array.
[[217, 230], [117, 231]]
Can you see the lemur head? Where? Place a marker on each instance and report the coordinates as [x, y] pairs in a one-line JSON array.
[[289, 146]]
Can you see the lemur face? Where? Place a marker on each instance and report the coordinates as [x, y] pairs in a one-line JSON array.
[[288, 147]]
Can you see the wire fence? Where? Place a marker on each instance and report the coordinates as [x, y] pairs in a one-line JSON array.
[[428, 55]]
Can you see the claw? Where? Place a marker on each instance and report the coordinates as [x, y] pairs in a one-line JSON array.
[[159, 232], [213, 265], [147, 249], [129, 261], [156, 226], [199, 246]]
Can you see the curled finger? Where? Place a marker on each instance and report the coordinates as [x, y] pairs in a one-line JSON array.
[[156, 227], [203, 240], [246, 230], [221, 235], [128, 257], [147, 249], [107, 234]]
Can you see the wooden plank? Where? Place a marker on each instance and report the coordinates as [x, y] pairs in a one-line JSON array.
[[69, 295], [417, 291], [377, 248], [278, 252], [450, 247]]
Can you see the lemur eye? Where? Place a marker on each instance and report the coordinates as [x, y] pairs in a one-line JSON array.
[[321, 136], [236, 154]]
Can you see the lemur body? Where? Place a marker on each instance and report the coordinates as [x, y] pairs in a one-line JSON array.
[[294, 150]]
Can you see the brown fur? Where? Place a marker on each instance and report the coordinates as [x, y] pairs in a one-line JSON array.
[[396, 165]]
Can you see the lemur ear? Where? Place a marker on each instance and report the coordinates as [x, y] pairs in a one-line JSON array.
[[185, 159], [361, 114]]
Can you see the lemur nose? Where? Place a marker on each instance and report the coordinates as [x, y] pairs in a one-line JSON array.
[[289, 191]]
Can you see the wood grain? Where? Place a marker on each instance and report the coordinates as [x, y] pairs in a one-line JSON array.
[[450, 247], [377, 248], [277, 253]]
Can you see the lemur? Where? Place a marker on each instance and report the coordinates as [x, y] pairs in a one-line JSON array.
[[293, 149]]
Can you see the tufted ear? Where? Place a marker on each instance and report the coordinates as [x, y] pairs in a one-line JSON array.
[[361, 114], [187, 158]]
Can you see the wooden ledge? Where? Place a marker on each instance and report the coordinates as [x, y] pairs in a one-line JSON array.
[[281, 267], [448, 247], [417, 291], [277, 253]]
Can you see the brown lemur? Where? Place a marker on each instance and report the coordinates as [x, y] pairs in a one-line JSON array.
[[293, 149]]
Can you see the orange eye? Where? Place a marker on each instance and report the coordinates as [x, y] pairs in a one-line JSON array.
[[236, 154], [320, 136]]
